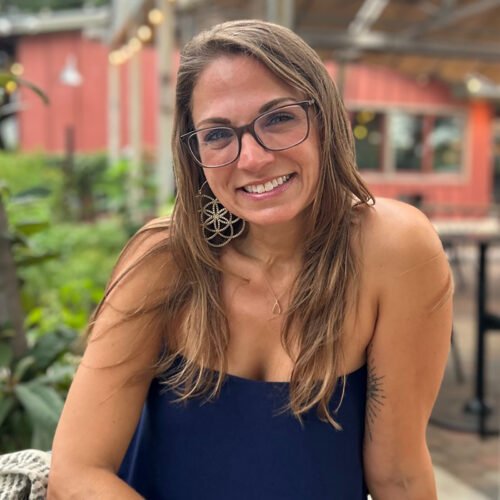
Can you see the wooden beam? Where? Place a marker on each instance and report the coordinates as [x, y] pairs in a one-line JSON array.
[[366, 16], [381, 42], [165, 43], [450, 15]]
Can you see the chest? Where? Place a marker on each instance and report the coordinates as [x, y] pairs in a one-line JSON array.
[[255, 322]]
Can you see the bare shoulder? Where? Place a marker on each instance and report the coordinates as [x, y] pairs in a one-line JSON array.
[[397, 237], [144, 262], [406, 356], [153, 235], [111, 383]]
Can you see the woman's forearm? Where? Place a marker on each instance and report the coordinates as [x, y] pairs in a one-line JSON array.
[[421, 486], [88, 484]]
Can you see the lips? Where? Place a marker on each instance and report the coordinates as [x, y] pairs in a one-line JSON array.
[[268, 185]]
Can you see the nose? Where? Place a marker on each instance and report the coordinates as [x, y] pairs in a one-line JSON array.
[[252, 155]]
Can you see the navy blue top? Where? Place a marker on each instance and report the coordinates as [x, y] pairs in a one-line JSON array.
[[237, 447]]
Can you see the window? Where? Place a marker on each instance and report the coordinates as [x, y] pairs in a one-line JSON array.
[[368, 130], [445, 141], [407, 142]]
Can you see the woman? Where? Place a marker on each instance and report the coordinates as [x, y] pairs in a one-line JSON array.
[[272, 317]]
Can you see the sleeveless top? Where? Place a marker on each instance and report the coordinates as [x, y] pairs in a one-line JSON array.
[[238, 447]]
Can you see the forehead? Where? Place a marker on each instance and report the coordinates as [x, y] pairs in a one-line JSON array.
[[232, 85]]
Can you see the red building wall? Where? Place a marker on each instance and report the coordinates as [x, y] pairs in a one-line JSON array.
[[85, 108], [468, 190]]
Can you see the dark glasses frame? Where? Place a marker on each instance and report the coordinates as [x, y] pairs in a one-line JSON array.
[[250, 128]]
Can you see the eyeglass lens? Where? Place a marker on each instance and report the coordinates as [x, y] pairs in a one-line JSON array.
[[277, 130]]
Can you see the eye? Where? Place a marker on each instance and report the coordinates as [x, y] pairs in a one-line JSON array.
[[279, 118], [216, 135]]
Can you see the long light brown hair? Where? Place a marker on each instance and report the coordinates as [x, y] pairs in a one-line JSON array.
[[192, 301]]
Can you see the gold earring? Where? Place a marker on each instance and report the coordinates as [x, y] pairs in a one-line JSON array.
[[218, 224]]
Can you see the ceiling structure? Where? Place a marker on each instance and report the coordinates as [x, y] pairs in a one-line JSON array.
[[453, 40], [456, 41], [448, 39]]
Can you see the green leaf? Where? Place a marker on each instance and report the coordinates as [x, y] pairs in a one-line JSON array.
[[5, 78], [31, 227], [42, 438], [34, 317], [22, 366], [5, 354], [7, 235], [6, 404], [36, 259], [43, 406], [6, 330], [57, 374], [51, 345], [34, 88], [37, 191]]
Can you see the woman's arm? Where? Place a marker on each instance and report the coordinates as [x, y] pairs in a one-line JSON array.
[[407, 353], [104, 404]]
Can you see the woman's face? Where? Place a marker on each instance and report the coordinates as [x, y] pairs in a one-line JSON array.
[[233, 90]]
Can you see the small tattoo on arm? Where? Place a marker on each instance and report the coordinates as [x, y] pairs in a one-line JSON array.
[[374, 399]]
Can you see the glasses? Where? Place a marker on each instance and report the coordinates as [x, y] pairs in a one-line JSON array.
[[276, 130]]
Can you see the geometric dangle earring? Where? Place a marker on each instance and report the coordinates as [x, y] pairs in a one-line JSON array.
[[218, 224]]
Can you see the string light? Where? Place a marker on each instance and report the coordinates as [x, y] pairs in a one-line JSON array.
[[134, 45], [473, 85], [10, 86], [17, 69], [365, 116], [360, 132], [144, 33], [156, 16], [116, 58]]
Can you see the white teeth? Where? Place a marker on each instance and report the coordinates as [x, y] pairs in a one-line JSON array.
[[268, 186]]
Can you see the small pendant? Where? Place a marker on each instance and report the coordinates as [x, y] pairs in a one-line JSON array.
[[276, 307]]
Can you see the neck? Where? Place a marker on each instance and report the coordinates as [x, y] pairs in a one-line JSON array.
[[274, 247]]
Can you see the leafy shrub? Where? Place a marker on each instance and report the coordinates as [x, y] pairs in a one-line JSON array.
[[32, 390], [63, 267], [36, 182], [65, 290]]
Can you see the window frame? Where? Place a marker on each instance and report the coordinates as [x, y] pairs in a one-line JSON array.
[[387, 170]]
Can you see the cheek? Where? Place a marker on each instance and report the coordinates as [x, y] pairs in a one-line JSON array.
[[216, 180]]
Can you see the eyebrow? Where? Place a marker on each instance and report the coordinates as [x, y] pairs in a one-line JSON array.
[[265, 107]]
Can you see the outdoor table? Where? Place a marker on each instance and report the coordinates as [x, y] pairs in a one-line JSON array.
[[482, 238]]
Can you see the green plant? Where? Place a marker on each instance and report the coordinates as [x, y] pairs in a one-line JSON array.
[[63, 269], [33, 388], [6, 78], [35, 185]]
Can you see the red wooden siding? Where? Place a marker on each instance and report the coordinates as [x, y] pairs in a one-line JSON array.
[[385, 88], [85, 108]]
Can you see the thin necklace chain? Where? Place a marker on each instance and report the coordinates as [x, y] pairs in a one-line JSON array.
[[277, 309]]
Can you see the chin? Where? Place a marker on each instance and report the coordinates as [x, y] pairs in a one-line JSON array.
[[271, 217]]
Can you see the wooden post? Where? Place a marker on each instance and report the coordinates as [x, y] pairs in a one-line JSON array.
[[134, 194], [11, 310], [165, 52], [114, 131], [281, 12]]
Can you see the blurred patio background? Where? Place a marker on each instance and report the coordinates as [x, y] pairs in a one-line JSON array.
[[86, 105]]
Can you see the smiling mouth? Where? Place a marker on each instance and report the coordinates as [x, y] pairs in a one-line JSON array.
[[268, 186]]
